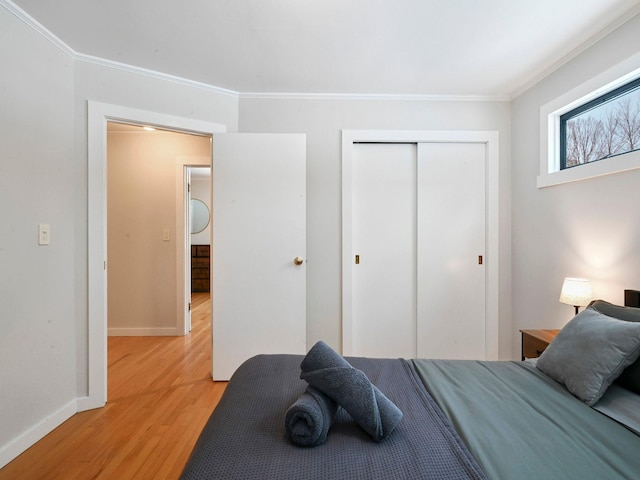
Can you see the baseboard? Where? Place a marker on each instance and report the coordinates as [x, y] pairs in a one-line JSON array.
[[143, 332], [17, 446], [89, 403]]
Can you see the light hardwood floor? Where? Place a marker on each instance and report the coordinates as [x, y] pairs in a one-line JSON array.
[[160, 394]]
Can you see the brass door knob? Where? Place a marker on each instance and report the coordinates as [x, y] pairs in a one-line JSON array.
[[298, 261]]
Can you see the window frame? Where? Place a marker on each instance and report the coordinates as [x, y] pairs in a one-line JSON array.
[[591, 105], [604, 84]]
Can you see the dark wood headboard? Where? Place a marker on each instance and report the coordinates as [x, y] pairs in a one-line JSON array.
[[632, 298]]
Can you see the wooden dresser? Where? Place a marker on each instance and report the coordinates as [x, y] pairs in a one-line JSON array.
[[200, 275]]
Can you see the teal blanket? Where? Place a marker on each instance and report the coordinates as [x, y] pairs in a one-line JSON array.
[[520, 424]]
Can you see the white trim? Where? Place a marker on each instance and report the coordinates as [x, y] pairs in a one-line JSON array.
[[374, 96], [550, 173], [21, 443], [81, 57], [491, 139], [140, 131], [143, 332], [182, 246], [103, 62], [500, 97], [576, 51], [37, 26], [153, 74], [98, 115]]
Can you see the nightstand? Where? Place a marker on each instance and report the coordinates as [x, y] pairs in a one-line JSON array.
[[535, 341]]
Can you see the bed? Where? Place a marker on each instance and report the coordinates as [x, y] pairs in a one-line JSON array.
[[574, 413]]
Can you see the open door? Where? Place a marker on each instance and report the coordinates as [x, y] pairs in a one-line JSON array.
[[259, 247]]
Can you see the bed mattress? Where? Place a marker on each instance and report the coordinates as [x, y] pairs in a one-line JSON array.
[[245, 436], [462, 420]]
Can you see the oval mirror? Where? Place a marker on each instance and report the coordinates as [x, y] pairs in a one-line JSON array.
[[199, 215]]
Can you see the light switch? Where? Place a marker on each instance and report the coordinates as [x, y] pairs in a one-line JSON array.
[[165, 235], [44, 234]]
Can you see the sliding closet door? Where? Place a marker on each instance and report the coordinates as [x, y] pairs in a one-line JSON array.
[[418, 243], [451, 232], [384, 246]]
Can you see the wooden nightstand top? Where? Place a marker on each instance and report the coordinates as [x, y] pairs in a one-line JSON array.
[[534, 342], [544, 335]]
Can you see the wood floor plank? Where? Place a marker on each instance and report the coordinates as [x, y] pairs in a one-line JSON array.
[[160, 395]]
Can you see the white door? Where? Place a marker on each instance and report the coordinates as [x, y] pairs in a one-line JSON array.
[[451, 234], [384, 239], [259, 227], [418, 222]]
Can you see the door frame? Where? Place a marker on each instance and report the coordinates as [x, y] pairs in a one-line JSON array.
[[492, 260], [98, 115], [183, 248]]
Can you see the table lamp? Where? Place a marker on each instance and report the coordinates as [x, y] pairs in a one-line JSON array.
[[576, 292]]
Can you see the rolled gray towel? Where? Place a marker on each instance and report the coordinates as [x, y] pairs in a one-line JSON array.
[[326, 370], [309, 418]]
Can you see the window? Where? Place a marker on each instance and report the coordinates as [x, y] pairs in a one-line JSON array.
[[602, 128], [593, 129]]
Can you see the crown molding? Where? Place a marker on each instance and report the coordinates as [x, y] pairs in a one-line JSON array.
[[81, 57], [37, 26], [153, 74], [42, 30], [374, 96], [576, 51]]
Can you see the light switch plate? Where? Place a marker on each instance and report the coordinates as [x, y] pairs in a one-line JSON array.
[[44, 234], [165, 234]]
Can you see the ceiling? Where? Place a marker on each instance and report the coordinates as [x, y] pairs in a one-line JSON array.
[[488, 48]]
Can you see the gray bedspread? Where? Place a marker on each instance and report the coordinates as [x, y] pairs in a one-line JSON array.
[[520, 424], [245, 436]]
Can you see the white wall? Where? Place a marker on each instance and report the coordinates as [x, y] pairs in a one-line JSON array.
[[43, 179], [38, 184], [589, 228], [141, 203], [322, 122]]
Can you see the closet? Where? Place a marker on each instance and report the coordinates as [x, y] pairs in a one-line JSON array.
[[418, 235]]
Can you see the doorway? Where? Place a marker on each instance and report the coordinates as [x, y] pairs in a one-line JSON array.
[[409, 332], [98, 116], [198, 232], [144, 237]]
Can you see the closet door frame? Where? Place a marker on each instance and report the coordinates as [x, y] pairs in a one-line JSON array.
[[491, 141]]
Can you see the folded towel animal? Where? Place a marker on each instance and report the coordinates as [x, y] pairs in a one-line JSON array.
[[326, 370], [307, 421]]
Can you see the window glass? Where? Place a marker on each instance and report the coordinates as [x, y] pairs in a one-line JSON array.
[[605, 127]]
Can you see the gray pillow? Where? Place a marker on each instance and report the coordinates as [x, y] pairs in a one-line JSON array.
[[630, 378], [590, 352], [629, 314]]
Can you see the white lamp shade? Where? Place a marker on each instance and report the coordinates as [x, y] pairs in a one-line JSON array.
[[576, 292]]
